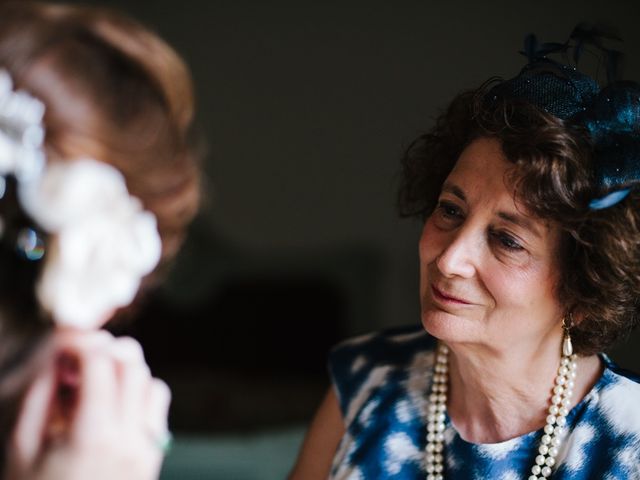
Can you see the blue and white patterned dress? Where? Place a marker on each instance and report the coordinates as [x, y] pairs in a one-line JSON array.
[[382, 382]]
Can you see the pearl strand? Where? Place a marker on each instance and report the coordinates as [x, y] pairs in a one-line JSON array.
[[554, 430], [436, 415]]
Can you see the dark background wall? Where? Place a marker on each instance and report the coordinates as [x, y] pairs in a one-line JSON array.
[[306, 107]]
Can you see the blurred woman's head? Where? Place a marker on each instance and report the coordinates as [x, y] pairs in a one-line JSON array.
[[112, 91]]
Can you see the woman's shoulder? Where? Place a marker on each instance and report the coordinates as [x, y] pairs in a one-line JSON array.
[[619, 382], [392, 347], [379, 363], [618, 398], [622, 374], [605, 439]]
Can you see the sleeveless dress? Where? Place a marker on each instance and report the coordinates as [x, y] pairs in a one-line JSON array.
[[382, 382]]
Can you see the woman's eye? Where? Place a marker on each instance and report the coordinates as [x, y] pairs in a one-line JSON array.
[[447, 216], [506, 241], [449, 210]]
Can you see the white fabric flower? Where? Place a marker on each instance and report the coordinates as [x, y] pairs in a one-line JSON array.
[[102, 240], [21, 131]]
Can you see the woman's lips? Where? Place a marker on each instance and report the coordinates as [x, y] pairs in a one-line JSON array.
[[446, 298]]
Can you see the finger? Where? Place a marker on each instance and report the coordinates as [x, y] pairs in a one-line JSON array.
[[29, 432], [156, 429], [133, 377], [81, 340], [72, 346], [158, 401], [127, 349], [97, 405]]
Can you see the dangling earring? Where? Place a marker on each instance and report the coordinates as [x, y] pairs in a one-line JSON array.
[[567, 346]]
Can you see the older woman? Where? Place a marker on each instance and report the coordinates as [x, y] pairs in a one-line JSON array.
[[529, 268], [98, 181]]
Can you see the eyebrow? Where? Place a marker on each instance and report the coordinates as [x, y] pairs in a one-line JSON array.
[[514, 218], [521, 221], [455, 190]]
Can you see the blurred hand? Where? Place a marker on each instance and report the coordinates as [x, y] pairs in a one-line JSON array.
[[94, 413]]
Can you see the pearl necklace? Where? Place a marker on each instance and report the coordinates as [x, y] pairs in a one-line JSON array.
[[554, 430]]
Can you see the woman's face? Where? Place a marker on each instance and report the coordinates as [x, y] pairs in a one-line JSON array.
[[488, 270]]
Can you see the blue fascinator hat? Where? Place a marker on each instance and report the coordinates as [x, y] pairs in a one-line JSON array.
[[609, 114]]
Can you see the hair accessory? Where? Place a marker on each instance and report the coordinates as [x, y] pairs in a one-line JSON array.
[[101, 241], [21, 132], [611, 115]]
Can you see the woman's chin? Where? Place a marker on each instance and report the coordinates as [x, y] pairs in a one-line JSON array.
[[444, 325]]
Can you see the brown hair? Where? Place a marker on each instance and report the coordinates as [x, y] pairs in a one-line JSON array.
[[113, 91], [599, 252]]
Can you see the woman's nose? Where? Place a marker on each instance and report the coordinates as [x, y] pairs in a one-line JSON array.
[[459, 255]]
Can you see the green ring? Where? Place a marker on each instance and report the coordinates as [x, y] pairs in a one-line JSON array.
[[165, 442]]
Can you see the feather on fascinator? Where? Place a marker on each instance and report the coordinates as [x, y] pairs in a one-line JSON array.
[[610, 114]]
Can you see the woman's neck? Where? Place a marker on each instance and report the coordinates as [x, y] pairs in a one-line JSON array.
[[496, 396]]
